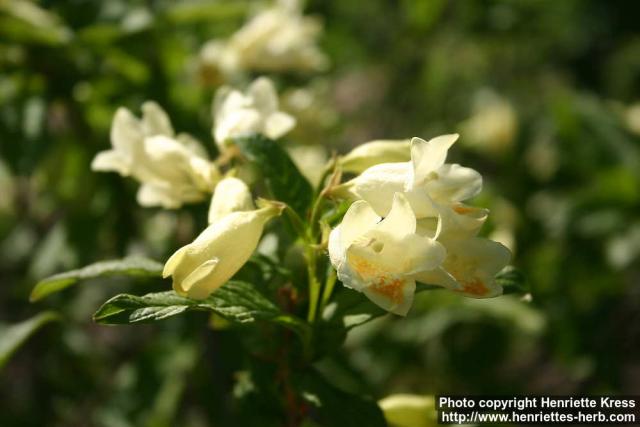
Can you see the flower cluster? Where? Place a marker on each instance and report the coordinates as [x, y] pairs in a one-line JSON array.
[[175, 169], [409, 224], [277, 39]]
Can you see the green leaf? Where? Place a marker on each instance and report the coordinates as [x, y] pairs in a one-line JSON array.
[[236, 301], [283, 179], [512, 281], [133, 266], [331, 406], [13, 336]]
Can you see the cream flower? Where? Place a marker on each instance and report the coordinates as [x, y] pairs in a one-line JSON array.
[[173, 169], [381, 257], [424, 179], [471, 262], [277, 39], [201, 267], [375, 152], [236, 114], [231, 195]]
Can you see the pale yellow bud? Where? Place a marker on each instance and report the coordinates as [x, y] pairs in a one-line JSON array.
[[409, 410], [375, 152]]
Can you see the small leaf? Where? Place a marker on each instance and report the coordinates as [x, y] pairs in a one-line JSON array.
[[133, 266], [331, 406], [13, 336], [282, 177], [236, 301]]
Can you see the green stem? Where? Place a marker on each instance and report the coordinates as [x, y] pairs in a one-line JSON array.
[[314, 283], [328, 288]]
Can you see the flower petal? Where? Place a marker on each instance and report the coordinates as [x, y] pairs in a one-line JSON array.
[[455, 183], [199, 284], [427, 156], [155, 121], [395, 296], [401, 220], [231, 195], [359, 219]]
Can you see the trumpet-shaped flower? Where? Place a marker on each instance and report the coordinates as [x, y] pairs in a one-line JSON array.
[[381, 257], [424, 179], [277, 39], [173, 169], [236, 114], [470, 267], [471, 262], [202, 266], [231, 195], [375, 152]]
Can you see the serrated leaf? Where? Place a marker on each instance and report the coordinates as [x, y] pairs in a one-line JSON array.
[[236, 301], [132, 266], [283, 179], [13, 336], [330, 406]]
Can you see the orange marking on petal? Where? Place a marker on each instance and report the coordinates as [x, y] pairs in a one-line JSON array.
[[474, 287], [462, 209], [364, 267], [391, 290]]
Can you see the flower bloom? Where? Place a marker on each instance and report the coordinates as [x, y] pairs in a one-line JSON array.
[[277, 39], [375, 152], [381, 257], [173, 169], [471, 262], [236, 114], [202, 266], [424, 179]]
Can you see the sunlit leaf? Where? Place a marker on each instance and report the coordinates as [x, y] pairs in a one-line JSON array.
[[283, 179], [133, 266], [236, 301]]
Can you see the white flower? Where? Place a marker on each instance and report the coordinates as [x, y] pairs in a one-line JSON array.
[[424, 179], [173, 169], [236, 114], [471, 262], [409, 410], [201, 267], [381, 257], [375, 152], [277, 39], [231, 195]]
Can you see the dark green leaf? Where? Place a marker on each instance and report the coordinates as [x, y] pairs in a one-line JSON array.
[[236, 301], [331, 406], [133, 266], [13, 336], [282, 177]]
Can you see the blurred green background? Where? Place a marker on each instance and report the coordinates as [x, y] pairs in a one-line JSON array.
[[545, 94]]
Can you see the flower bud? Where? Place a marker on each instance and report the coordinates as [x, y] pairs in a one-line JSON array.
[[375, 152], [201, 267], [409, 410], [231, 195]]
